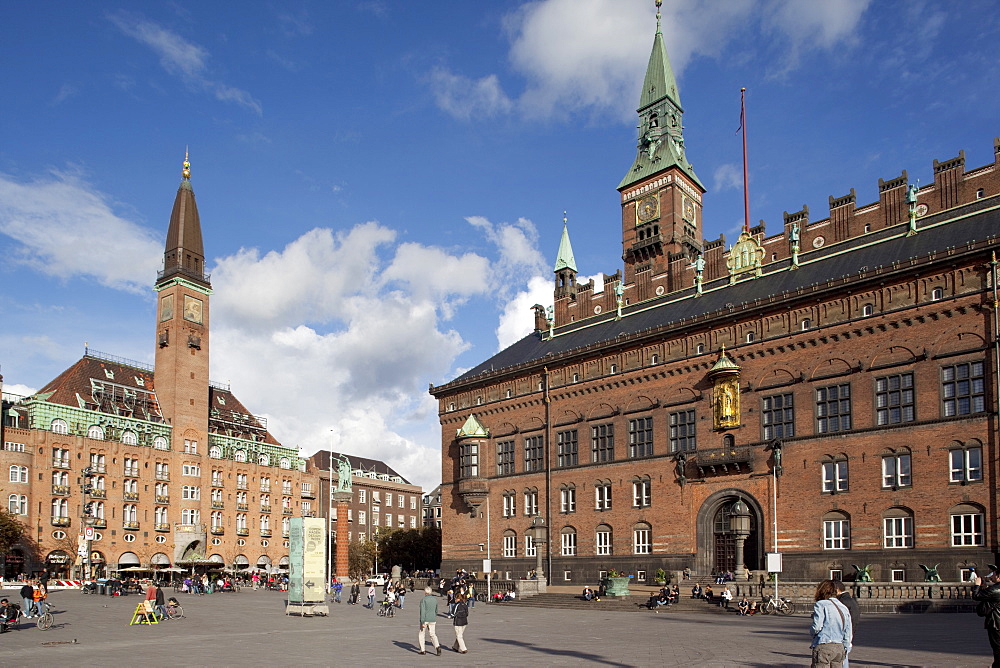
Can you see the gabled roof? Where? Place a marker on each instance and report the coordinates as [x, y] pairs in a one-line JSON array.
[[953, 229], [321, 460], [473, 428]]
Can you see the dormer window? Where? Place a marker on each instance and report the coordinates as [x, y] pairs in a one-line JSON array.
[[110, 374], [751, 337], [222, 400], [806, 324], [867, 310], [937, 294]]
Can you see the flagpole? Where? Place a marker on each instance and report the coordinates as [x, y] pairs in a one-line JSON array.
[[746, 180]]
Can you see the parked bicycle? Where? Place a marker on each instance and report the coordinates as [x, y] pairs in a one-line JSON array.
[[782, 606]]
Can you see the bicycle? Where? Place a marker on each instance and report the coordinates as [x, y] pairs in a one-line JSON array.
[[45, 620], [483, 597], [387, 609], [782, 606]]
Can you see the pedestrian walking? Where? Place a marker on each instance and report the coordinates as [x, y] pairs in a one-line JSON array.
[[461, 622], [831, 628], [338, 587], [428, 621], [371, 595], [845, 597], [27, 598], [987, 592]]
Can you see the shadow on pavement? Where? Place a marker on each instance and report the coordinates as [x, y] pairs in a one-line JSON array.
[[585, 656]]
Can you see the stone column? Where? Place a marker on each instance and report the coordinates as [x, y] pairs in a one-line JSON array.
[[341, 562]]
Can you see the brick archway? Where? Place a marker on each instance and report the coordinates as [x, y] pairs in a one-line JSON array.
[[711, 542]]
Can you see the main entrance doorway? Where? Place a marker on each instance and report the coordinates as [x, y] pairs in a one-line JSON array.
[[717, 541]]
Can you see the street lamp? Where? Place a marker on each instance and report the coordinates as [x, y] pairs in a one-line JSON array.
[[739, 524], [538, 536]]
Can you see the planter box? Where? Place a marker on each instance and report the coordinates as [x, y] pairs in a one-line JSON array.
[[616, 586]]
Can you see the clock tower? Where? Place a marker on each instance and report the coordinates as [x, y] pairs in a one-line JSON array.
[[661, 196], [182, 313]]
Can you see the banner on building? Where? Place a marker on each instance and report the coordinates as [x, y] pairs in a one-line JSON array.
[[307, 560]]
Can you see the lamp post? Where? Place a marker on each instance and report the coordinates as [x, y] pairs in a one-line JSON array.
[[739, 524], [538, 536]]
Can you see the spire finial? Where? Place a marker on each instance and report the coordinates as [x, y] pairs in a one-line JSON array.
[[659, 3], [565, 219], [186, 172]]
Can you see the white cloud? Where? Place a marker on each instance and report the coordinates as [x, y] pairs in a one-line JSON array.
[[727, 177], [517, 318], [517, 247], [19, 390], [466, 98], [63, 225], [181, 58], [589, 56]]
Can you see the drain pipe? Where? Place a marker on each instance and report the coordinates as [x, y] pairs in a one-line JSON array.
[[547, 400]]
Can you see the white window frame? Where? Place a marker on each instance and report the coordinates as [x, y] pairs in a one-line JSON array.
[[510, 546], [604, 542], [897, 532], [567, 541], [967, 529], [837, 534], [893, 476], [835, 476], [642, 540], [567, 499], [962, 467]]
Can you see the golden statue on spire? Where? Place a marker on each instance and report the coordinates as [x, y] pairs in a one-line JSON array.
[[186, 172]]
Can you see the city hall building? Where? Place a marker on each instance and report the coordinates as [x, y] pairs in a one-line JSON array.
[[119, 464], [839, 376]]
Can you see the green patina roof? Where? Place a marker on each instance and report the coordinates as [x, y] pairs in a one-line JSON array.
[[565, 259], [724, 366], [473, 428], [659, 95]]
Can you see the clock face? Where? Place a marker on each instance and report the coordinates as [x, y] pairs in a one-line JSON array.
[[192, 309], [689, 210], [647, 209]]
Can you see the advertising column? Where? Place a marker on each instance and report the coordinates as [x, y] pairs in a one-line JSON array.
[[307, 567]]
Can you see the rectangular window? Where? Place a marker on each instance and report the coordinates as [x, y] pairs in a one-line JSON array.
[[190, 492], [510, 546], [505, 457], [531, 502], [778, 416], [966, 530], [897, 575], [602, 443], [641, 494], [837, 534], [568, 500], [963, 389], [896, 471], [569, 544], [835, 476], [362, 517], [190, 447], [362, 496], [470, 460], [682, 431], [966, 465], [602, 497], [894, 399], [833, 408], [189, 469], [533, 453], [529, 546], [640, 437], [603, 543], [388, 499], [567, 448], [641, 543], [898, 531]]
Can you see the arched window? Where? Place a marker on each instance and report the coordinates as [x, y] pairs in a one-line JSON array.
[[215, 452], [642, 538], [95, 432], [568, 541], [751, 337], [836, 531], [240, 456], [285, 463], [509, 543], [59, 426], [129, 437], [19, 473], [867, 310], [700, 348], [897, 528], [966, 525], [264, 460], [937, 294], [17, 504], [806, 324], [604, 540], [160, 443]]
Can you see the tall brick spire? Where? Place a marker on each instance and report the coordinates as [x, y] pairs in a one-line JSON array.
[[184, 254]]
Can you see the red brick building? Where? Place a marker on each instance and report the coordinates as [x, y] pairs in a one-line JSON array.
[[839, 377]]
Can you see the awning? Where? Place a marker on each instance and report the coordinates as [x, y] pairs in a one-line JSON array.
[[284, 561], [217, 559], [241, 561], [128, 559], [160, 559], [263, 560]]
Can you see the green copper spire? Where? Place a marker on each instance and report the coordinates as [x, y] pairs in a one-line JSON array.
[[565, 259], [661, 133]]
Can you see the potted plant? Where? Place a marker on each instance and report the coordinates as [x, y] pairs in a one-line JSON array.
[[616, 584], [661, 577]]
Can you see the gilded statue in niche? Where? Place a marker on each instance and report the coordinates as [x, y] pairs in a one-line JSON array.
[[727, 402]]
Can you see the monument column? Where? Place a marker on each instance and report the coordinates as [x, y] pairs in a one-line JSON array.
[[341, 562]]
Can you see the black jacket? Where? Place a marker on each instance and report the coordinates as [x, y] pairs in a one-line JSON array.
[[27, 591], [461, 614], [853, 607], [990, 595]]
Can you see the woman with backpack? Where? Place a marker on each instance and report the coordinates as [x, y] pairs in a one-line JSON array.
[[461, 622]]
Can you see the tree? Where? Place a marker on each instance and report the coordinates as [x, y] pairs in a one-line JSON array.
[[412, 549], [360, 557], [11, 530]]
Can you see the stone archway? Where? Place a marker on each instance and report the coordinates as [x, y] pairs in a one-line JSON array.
[[716, 545]]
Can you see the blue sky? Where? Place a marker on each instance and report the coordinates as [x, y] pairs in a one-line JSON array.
[[381, 184]]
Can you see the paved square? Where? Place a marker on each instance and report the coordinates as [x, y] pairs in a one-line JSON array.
[[250, 629]]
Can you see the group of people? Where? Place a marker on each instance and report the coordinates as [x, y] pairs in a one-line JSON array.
[[205, 585], [33, 595], [666, 596], [459, 612]]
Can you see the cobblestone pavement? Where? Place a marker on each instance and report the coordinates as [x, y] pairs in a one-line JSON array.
[[250, 629]]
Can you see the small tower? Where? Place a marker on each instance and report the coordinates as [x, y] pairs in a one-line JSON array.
[[182, 318], [565, 268]]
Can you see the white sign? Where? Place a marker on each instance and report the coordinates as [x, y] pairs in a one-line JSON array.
[[487, 565], [773, 562], [88, 533]]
